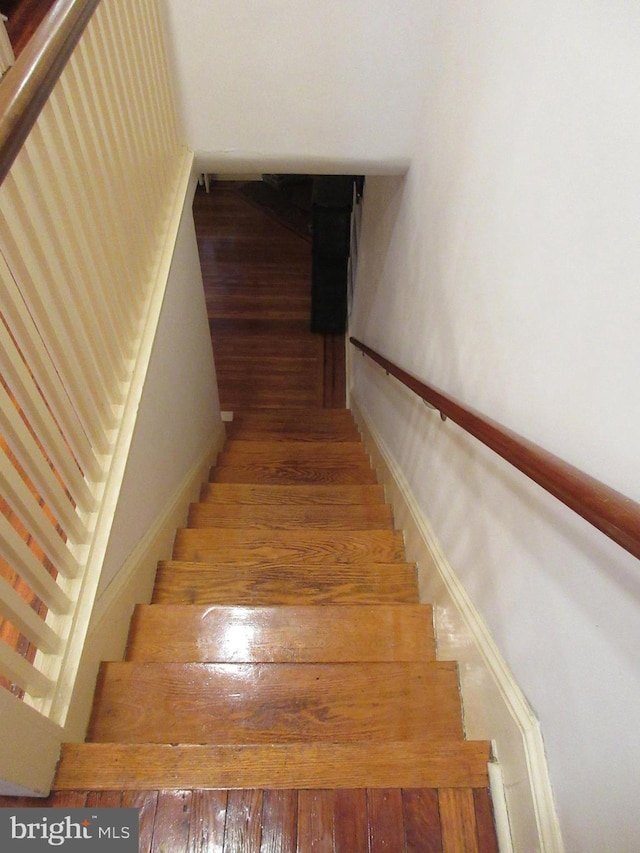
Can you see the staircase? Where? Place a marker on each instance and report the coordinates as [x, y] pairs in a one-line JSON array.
[[285, 668]]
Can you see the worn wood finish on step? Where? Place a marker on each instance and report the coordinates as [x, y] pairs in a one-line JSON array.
[[283, 703], [195, 820], [292, 516], [251, 494], [286, 665], [180, 582], [260, 548], [282, 634], [452, 765]]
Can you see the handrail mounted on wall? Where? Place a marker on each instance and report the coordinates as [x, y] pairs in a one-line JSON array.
[[614, 514]]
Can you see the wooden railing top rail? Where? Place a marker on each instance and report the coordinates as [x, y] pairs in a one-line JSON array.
[[614, 514], [25, 88]]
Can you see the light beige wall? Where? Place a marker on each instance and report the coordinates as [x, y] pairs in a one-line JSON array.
[[179, 411], [505, 269], [291, 86]]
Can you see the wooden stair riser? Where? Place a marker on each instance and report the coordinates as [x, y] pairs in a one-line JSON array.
[[186, 633], [410, 764], [304, 547], [284, 703], [251, 494], [179, 582], [292, 516]]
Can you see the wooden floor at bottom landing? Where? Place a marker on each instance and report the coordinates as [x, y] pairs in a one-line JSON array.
[[373, 820]]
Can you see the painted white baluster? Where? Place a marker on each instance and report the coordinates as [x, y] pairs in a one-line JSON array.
[[25, 448], [20, 671], [26, 620], [30, 343], [18, 554], [33, 516]]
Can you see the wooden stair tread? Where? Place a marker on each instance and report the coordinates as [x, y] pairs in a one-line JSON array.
[[265, 703], [346, 473], [228, 546], [323, 453], [285, 647], [292, 516], [261, 493], [413, 764], [189, 633], [294, 418], [182, 582], [318, 432]]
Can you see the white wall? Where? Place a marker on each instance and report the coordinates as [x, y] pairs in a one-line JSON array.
[[179, 412], [297, 86], [505, 270]]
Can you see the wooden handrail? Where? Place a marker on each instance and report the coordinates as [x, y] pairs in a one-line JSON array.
[[26, 86], [614, 514]]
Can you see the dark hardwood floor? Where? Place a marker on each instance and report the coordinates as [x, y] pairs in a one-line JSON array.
[[24, 18], [257, 278], [425, 820]]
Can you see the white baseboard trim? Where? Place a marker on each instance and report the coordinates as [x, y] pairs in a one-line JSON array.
[[133, 584], [494, 706]]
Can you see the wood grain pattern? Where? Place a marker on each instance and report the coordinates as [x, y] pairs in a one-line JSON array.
[[315, 821], [207, 821], [257, 282], [146, 801], [251, 494], [284, 703], [172, 820], [355, 472], [421, 820], [350, 820], [386, 821], [294, 765], [292, 516], [283, 452], [335, 433], [487, 840], [243, 828], [327, 583], [269, 381], [227, 546], [292, 723], [279, 821], [458, 821], [339, 633], [289, 420]]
